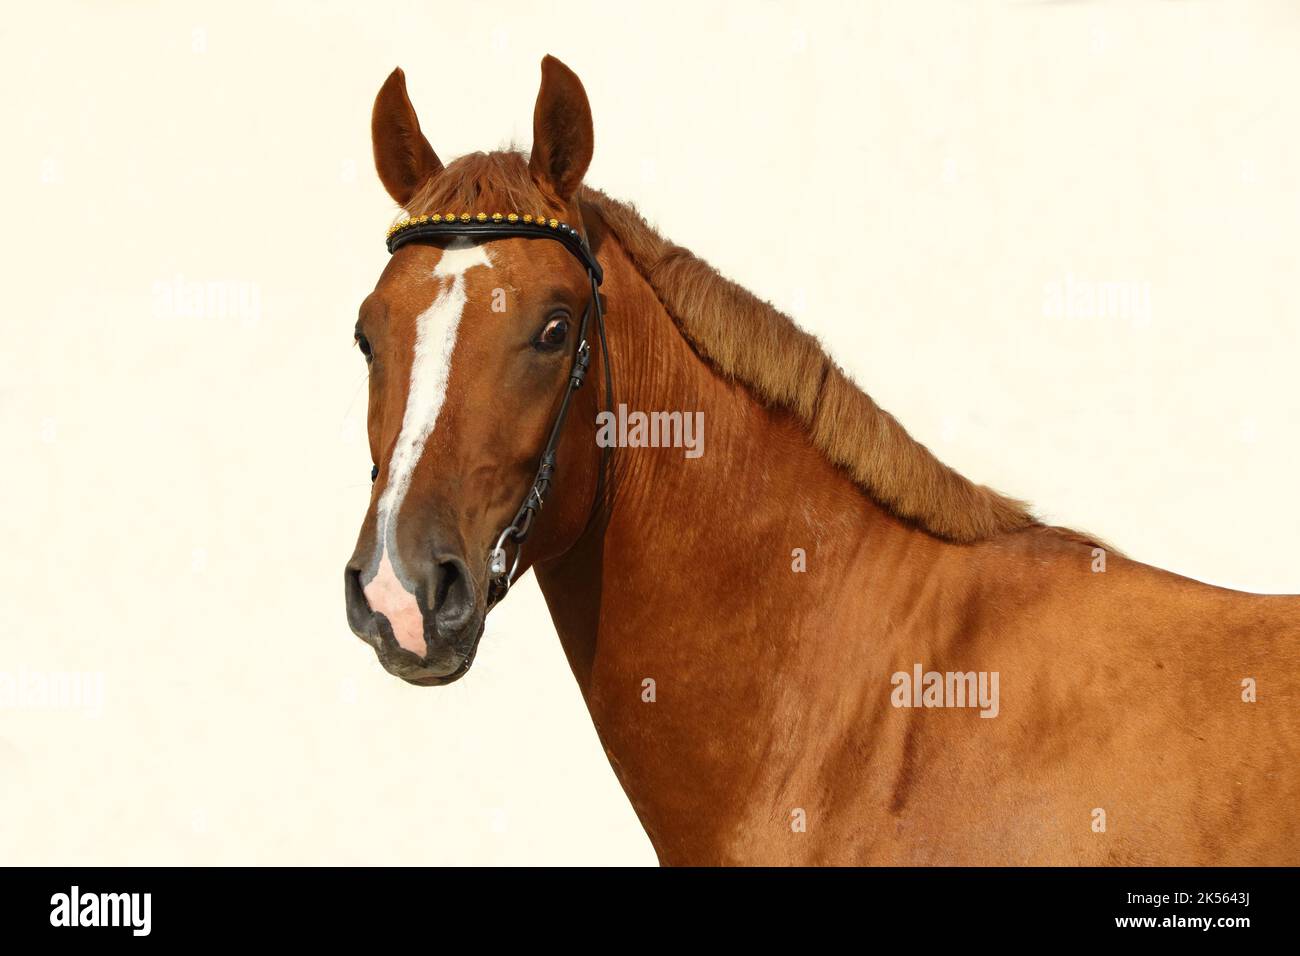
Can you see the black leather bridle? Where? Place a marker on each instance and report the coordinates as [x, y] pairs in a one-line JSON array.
[[484, 227]]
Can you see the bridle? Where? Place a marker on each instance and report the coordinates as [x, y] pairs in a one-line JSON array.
[[482, 226]]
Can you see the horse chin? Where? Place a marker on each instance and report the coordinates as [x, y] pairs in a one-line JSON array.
[[446, 666], [435, 680]]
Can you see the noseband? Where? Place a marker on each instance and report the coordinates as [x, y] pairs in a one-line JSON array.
[[483, 227]]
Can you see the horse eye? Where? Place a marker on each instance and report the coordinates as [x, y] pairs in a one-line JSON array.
[[552, 335], [363, 344]]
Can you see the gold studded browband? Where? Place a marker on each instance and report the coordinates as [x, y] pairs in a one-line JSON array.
[[493, 226]]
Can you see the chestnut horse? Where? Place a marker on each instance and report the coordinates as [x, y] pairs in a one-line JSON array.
[[813, 642]]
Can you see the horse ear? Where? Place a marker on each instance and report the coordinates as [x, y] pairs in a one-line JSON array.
[[403, 157], [562, 136]]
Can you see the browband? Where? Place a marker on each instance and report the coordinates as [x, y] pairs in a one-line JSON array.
[[495, 226]]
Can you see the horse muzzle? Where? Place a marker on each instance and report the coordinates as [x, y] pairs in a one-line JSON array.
[[425, 632]]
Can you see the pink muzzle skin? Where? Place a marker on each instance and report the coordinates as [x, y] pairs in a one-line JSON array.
[[388, 597]]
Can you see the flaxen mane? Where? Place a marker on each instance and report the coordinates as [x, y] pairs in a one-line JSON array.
[[750, 341]]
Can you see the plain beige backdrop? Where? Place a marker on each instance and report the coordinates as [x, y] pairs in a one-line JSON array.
[[1059, 240]]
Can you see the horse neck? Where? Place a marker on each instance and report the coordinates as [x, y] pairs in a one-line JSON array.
[[716, 539]]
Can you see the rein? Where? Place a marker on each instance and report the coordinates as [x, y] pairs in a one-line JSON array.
[[501, 570]]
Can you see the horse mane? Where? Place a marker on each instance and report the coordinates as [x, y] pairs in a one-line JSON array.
[[752, 342]]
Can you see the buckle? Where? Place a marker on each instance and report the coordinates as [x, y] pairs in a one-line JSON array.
[[580, 364]]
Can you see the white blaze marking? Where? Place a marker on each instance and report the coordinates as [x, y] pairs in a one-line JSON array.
[[435, 340]]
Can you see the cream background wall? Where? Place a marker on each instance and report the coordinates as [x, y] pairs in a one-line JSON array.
[[1059, 240]]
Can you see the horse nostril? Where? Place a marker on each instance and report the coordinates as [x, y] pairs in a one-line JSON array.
[[453, 596], [360, 616], [445, 574]]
